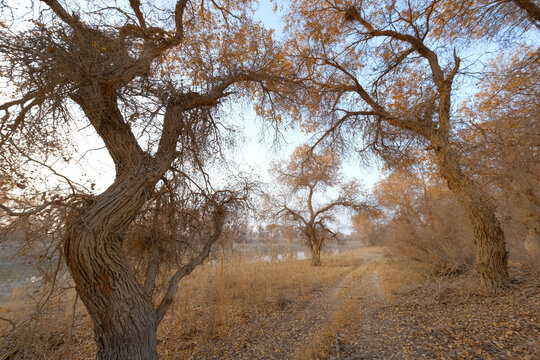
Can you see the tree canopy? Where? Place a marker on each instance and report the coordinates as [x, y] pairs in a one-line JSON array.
[[410, 82]]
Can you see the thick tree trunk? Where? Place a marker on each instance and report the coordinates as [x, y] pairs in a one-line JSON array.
[[122, 314], [315, 250], [491, 254], [124, 320]]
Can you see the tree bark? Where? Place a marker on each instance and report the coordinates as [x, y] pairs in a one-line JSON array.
[[491, 254], [124, 320], [122, 314], [315, 253]]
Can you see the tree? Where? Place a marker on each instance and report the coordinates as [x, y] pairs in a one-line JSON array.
[[366, 227], [149, 82], [305, 176], [385, 72], [500, 136]]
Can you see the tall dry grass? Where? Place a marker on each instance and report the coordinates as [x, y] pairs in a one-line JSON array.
[[217, 297], [55, 331]]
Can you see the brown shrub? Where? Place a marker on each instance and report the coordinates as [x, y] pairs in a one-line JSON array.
[[426, 224]]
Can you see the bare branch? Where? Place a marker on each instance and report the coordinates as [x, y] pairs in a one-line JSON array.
[[296, 215], [533, 11], [55, 6], [416, 43], [219, 217], [179, 19], [136, 6], [151, 272], [343, 203], [33, 211]]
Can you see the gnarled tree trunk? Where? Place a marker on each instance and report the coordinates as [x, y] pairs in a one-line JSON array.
[[315, 249], [491, 254], [124, 320], [122, 314]]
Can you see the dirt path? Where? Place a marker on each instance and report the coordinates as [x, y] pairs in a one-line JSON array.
[[292, 333], [441, 318], [368, 313], [367, 306]]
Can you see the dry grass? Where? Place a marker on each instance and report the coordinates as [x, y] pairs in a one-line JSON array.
[[51, 335], [446, 250], [214, 299], [218, 298], [449, 318], [326, 341], [362, 302], [401, 313]]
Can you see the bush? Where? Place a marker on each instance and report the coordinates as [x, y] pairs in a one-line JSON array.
[[425, 223]]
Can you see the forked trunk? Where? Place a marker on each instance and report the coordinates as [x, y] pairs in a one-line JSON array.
[[315, 254], [491, 254], [123, 317]]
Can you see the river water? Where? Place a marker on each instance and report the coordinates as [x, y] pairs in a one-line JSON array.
[[16, 272]]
